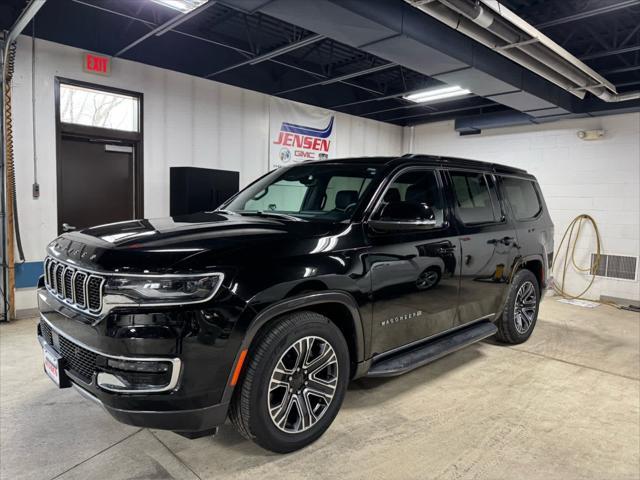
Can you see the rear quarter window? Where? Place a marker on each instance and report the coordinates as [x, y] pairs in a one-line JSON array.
[[522, 196]]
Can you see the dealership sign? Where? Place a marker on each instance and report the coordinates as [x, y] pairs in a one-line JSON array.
[[299, 133]]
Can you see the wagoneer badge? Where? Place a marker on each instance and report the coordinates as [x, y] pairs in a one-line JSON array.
[[401, 318]]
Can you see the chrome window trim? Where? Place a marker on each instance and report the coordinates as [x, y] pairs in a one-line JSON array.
[[176, 363], [381, 191]]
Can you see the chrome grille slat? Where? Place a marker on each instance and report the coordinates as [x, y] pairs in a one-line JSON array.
[[77, 288], [67, 276]]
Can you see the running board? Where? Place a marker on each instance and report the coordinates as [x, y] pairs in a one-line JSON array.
[[405, 361]]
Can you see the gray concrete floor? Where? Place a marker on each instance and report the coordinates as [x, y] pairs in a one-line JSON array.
[[563, 405]]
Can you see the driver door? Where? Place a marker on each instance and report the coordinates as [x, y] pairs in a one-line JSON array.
[[415, 273]]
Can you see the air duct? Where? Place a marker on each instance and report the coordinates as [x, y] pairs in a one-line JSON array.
[[496, 27]]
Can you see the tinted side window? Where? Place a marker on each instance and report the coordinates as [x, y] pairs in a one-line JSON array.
[[476, 200], [416, 186], [522, 196]]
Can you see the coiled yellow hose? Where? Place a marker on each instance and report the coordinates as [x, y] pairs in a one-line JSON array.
[[571, 235]]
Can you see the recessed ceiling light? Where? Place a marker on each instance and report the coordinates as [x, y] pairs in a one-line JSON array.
[[433, 94], [183, 6]]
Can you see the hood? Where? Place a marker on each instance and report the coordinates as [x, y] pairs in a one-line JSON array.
[[193, 243]]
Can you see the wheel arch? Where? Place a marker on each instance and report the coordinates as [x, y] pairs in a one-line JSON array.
[[329, 303], [332, 304], [535, 264]]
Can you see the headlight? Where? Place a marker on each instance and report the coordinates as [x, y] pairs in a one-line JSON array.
[[163, 289]]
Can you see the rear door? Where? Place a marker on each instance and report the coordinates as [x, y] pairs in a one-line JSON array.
[[488, 244], [415, 274], [531, 220]]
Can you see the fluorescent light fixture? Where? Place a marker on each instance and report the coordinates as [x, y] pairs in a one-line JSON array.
[[183, 6], [434, 94]]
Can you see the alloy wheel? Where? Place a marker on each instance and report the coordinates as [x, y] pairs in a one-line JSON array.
[[303, 384], [427, 279], [524, 309]]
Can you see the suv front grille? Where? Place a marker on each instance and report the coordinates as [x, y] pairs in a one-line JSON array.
[[78, 288], [80, 361]]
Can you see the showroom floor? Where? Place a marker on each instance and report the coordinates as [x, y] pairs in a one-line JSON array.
[[564, 405]]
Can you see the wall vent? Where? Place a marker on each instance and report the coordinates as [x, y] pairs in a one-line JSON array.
[[615, 266]]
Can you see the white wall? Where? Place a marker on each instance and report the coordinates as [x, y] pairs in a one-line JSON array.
[[600, 178], [188, 121]]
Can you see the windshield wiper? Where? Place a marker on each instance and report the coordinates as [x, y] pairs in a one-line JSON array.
[[260, 213]]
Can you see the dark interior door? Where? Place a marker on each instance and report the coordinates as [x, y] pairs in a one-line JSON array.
[[97, 183]]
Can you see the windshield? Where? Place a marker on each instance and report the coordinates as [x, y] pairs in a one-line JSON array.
[[307, 192]]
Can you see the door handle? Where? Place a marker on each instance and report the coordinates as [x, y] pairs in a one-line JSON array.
[[67, 228], [503, 240]]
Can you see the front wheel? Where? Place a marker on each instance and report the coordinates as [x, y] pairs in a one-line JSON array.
[[294, 385], [520, 314]]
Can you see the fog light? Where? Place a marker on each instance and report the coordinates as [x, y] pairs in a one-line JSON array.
[[153, 367], [139, 376]]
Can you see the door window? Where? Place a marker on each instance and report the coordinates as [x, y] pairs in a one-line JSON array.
[[476, 200], [522, 197], [416, 186]]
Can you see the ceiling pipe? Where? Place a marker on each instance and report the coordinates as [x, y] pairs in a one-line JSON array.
[[522, 44], [466, 26]]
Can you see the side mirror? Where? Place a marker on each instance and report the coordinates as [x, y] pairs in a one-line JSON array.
[[405, 216]]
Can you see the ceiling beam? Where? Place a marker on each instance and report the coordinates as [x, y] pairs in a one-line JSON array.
[[589, 13], [270, 55], [239, 50], [430, 83], [166, 26], [25, 17], [609, 53], [632, 68], [341, 78], [443, 112]]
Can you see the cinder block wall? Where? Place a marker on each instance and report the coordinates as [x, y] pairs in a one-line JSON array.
[[600, 178]]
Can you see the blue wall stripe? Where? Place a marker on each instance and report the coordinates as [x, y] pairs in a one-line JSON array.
[[27, 274]]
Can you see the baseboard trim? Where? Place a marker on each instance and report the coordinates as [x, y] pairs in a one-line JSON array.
[[619, 301]]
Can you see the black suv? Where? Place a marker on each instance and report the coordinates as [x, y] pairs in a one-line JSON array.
[[263, 310]]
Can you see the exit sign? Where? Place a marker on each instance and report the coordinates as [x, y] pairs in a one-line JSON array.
[[98, 64]]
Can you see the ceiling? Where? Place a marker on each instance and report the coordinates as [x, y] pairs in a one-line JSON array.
[[321, 66]]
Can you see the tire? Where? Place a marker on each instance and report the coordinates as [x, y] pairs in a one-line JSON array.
[[514, 325], [429, 278], [264, 388]]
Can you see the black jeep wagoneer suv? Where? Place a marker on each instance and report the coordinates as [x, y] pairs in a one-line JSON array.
[[314, 275]]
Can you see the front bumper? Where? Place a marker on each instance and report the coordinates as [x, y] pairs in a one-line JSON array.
[[206, 353], [198, 420]]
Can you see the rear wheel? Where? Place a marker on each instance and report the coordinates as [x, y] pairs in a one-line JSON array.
[[294, 384], [521, 309]]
